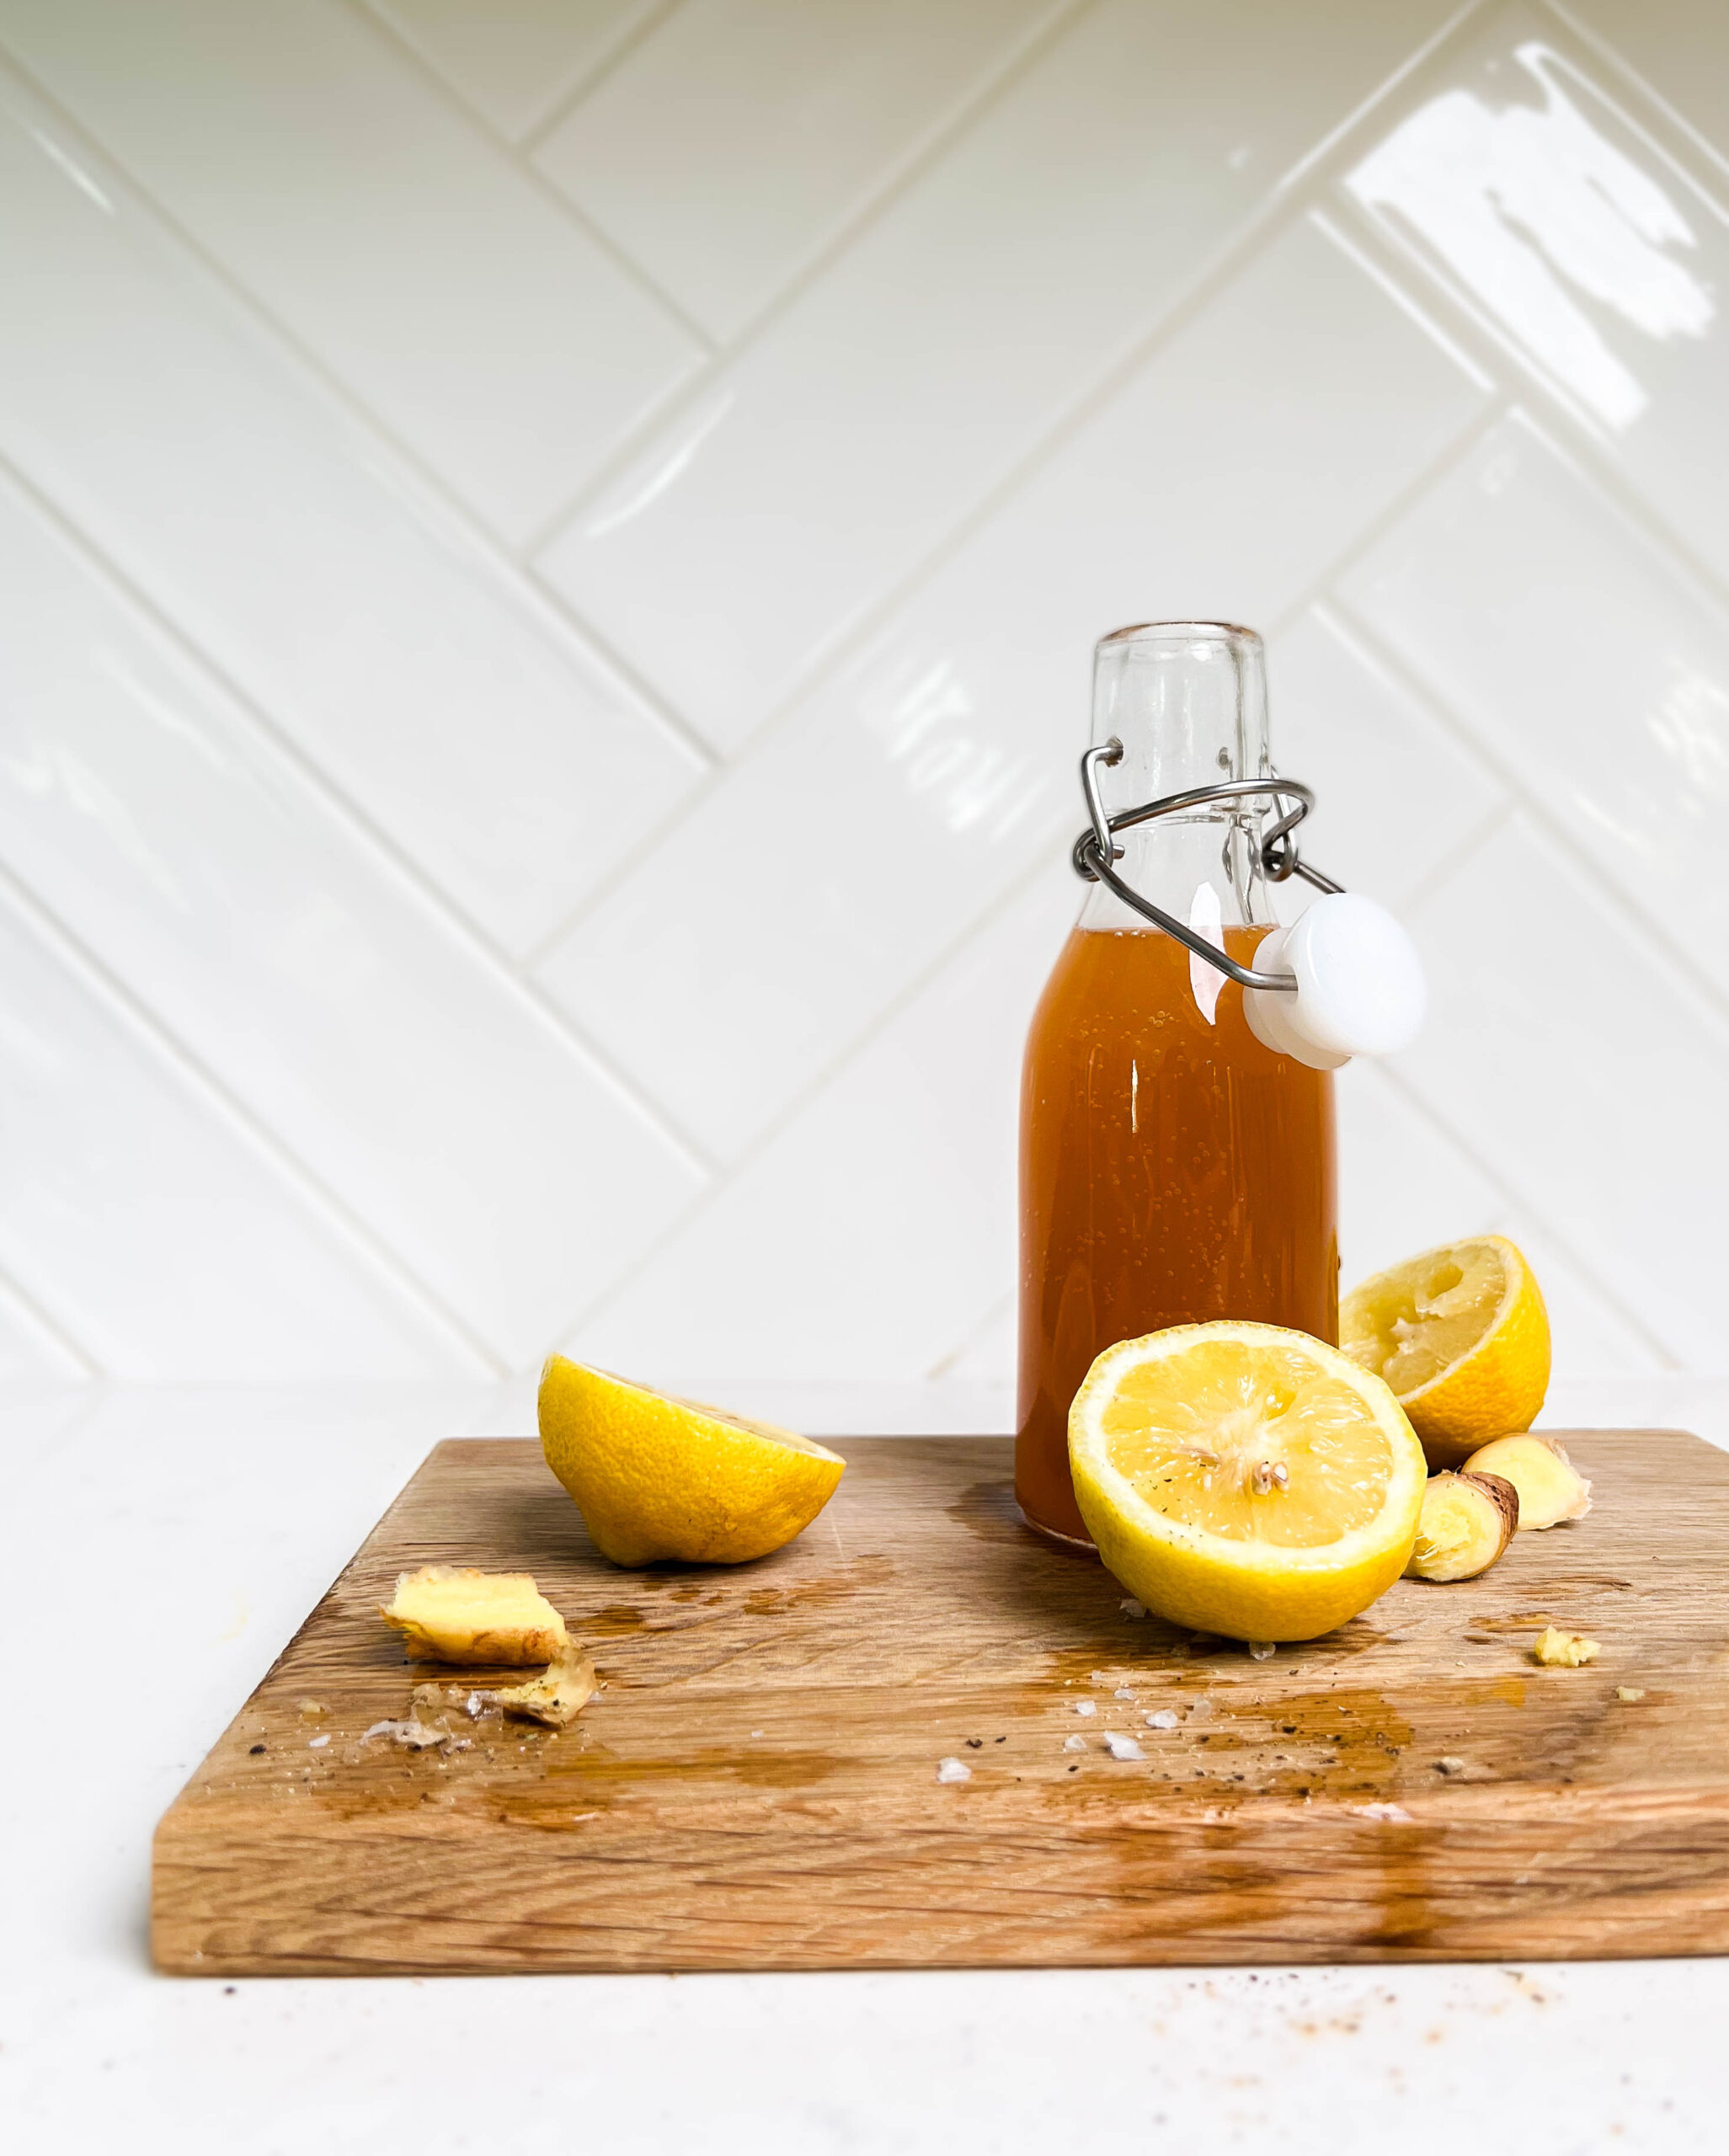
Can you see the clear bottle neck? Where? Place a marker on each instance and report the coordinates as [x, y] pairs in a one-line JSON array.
[[1187, 700]]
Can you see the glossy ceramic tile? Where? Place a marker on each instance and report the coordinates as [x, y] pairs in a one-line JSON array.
[[394, 243], [798, 486], [160, 1239], [406, 1075], [826, 873], [477, 733], [731, 143], [1527, 183], [1590, 1083], [33, 1353], [873, 1229], [1584, 664], [515, 62], [1592, 1336], [443, 697], [1406, 1184], [1396, 793], [1680, 48]]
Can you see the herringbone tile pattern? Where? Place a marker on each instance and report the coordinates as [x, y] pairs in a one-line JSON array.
[[548, 558]]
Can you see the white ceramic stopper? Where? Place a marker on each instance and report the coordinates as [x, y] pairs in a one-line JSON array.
[[1360, 987]]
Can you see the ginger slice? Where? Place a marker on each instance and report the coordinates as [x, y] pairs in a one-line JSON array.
[[559, 1696], [1550, 1488], [1560, 1649], [1468, 1519], [455, 1613]]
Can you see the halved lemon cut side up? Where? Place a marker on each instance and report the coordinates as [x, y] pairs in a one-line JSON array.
[[1244, 1480], [1461, 1335]]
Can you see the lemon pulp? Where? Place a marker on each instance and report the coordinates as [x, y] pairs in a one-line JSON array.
[[1244, 1479], [1461, 1335]]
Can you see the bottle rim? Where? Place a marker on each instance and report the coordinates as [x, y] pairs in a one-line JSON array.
[[1177, 632]]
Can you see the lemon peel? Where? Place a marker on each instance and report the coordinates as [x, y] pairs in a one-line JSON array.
[[1461, 1335], [657, 1477]]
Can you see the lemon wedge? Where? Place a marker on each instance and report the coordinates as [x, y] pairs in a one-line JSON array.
[[1244, 1479], [1461, 1335], [654, 1476]]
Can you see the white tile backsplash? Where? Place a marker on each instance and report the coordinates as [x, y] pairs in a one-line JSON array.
[[136, 1208], [1589, 1076], [1680, 48], [902, 798], [442, 695], [313, 983], [1523, 180], [515, 62], [735, 139], [820, 466], [1583, 662], [548, 556], [881, 1215], [408, 254]]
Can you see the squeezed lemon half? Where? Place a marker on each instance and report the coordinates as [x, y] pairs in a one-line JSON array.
[[1244, 1479], [654, 1476], [1461, 1335]]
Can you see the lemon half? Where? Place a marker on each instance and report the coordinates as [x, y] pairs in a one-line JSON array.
[[1462, 1337], [1244, 1479], [654, 1476]]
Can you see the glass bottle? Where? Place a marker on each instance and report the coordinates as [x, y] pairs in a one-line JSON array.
[[1173, 1169]]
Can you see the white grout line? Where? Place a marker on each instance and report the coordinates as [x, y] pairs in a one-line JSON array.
[[434, 492], [734, 1170], [127, 1007], [369, 839], [1595, 42], [1279, 211], [991, 89], [1676, 965], [1392, 513], [436, 85], [634, 36], [999, 1309], [31, 1316]]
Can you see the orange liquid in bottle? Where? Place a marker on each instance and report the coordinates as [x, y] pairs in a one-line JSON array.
[[1172, 1170]]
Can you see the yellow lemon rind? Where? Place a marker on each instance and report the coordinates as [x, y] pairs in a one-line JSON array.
[[658, 1478]]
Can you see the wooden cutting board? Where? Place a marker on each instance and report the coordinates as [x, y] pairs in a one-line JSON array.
[[756, 1786]]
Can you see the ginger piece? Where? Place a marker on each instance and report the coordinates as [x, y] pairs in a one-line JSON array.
[[559, 1696], [1550, 1488], [1468, 1519], [454, 1613], [1559, 1650]]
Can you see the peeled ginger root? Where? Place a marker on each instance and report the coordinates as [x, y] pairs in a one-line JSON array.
[[1559, 1650], [1468, 1519], [1550, 1488], [557, 1697], [453, 1613]]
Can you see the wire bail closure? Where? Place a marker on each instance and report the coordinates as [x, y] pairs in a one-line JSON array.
[[1095, 850]]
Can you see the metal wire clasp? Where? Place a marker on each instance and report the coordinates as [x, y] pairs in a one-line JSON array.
[[1095, 850]]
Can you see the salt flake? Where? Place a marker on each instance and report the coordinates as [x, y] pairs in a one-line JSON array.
[[1121, 1747], [1087, 1707], [1165, 1719], [1121, 1694], [1131, 1609], [1395, 1811], [1076, 1743], [953, 1770]]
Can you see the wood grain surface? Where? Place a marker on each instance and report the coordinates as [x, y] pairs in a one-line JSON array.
[[755, 1784]]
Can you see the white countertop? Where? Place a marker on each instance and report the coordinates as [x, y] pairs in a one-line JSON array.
[[214, 1518]]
